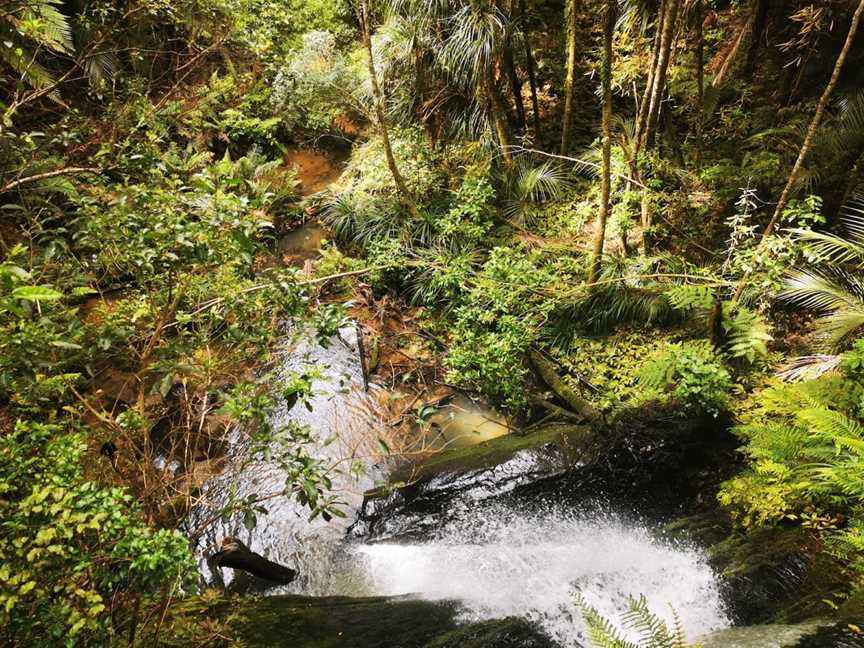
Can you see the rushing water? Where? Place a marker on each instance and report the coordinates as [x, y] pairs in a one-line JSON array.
[[501, 562]]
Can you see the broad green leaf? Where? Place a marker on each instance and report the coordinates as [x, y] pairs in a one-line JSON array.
[[37, 293]]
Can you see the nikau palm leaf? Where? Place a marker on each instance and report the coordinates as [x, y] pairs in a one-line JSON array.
[[835, 291]]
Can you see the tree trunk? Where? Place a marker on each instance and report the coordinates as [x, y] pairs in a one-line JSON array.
[[532, 79], [814, 124], [759, 22], [642, 114], [733, 54], [662, 68], [569, 81], [515, 84], [236, 555], [700, 82], [605, 174], [496, 110], [405, 196]]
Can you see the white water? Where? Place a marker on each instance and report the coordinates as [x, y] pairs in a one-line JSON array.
[[500, 563]]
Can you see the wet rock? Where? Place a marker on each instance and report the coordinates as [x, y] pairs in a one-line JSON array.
[[839, 635], [375, 622], [421, 498], [778, 574], [759, 636], [651, 461]]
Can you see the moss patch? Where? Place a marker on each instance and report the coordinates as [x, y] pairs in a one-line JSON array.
[[578, 443]]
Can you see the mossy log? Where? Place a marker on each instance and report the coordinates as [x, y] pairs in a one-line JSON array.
[[566, 393]]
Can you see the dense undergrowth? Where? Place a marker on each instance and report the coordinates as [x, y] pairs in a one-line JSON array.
[[143, 189]]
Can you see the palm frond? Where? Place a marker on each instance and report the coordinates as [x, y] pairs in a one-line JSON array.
[[808, 367], [475, 36], [530, 186]]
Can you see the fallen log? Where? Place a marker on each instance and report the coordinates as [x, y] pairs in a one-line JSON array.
[[566, 393], [236, 555]]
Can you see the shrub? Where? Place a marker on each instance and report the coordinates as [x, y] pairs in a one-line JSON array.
[[693, 374], [68, 546], [805, 445]]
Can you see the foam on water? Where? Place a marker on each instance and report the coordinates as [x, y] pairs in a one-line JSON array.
[[498, 563]]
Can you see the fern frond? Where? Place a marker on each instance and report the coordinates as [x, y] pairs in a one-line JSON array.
[[601, 631], [746, 332]]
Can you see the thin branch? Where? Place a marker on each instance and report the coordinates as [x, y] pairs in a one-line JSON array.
[[9, 186]]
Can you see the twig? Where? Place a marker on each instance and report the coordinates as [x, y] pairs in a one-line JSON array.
[[9, 186]]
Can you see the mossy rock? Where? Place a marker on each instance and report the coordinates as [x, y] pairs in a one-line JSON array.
[[500, 633], [373, 622], [574, 443]]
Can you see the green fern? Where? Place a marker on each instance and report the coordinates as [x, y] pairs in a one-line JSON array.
[[28, 28], [689, 297], [746, 332], [653, 631]]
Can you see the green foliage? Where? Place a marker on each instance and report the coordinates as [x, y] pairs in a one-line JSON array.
[[832, 284], [611, 364], [499, 320], [27, 27], [651, 631], [365, 207], [805, 445], [693, 374], [68, 545], [273, 28], [746, 333], [316, 84]]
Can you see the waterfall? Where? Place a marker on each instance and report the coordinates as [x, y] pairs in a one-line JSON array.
[[494, 559], [498, 561]]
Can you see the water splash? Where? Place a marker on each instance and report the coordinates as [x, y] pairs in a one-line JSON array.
[[499, 562]]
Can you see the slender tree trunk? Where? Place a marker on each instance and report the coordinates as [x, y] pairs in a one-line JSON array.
[[499, 121], [672, 141], [529, 63], [814, 124], [759, 22], [572, 11], [659, 88], [733, 54], [700, 82], [405, 196], [605, 174], [647, 221], [642, 114], [515, 84]]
